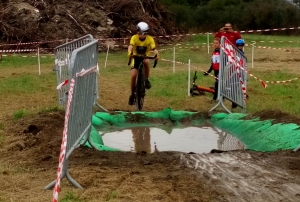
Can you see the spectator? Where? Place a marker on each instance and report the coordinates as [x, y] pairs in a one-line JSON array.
[[229, 33], [240, 43], [215, 65]]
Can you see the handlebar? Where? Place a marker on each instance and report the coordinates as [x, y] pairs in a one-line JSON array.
[[144, 57], [195, 76]]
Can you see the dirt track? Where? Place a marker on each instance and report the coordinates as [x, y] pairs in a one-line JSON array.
[[30, 158]]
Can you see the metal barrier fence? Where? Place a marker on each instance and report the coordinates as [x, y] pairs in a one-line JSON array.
[[232, 79], [83, 69], [62, 55]]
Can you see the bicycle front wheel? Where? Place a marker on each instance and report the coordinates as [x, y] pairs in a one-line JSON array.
[[140, 92], [139, 103]]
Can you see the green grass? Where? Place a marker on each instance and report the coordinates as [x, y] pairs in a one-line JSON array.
[[166, 85], [173, 87], [19, 114], [71, 197], [16, 61], [279, 41], [55, 108], [112, 195], [27, 83], [280, 96]]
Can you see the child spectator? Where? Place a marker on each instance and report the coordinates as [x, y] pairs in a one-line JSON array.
[[240, 43], [215, 65]]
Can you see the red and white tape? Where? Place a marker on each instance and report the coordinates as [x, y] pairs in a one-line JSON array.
[[182, 63], [161, 36], [85, 72], [27, 56], [266, 47], [63, 147], [18, 51], [286, 81], [278, 41], [29, 43], [62, 84]]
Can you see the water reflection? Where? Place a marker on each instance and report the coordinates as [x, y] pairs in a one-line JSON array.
[[188, 139], [141, 138]]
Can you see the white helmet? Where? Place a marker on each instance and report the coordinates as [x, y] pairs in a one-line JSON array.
[[142, 27]]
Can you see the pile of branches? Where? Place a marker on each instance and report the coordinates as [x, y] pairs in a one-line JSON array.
[[127, 13], [41, 20]]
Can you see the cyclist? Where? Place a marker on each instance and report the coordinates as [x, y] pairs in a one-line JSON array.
[[140, 45]]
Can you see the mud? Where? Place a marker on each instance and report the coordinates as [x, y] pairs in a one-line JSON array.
[[276, 115], [29, 159]]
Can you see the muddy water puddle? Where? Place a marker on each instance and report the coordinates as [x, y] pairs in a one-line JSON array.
[[188, 139]]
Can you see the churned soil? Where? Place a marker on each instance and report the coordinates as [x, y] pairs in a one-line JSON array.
[[29, 159]]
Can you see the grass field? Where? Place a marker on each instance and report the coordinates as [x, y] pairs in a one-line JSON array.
[[23, 91], [276, 41]]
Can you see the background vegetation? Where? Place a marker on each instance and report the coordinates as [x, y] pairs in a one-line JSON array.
[[210, 15]]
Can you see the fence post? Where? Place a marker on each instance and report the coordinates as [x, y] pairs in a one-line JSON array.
[[106, 56], [207, 42], [189, 77], [39, 62], [252, 56], [174, 60]]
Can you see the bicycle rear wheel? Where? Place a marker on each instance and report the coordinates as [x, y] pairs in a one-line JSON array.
[[140, 92]]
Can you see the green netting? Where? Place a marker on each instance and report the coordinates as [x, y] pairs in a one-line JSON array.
[[119, 119], [259, 135], [255, 134], [131, 119], [97, 141]]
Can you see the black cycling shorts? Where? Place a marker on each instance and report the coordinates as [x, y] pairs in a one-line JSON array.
[[137, 62]]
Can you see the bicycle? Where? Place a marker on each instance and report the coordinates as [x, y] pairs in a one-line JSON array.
[[140, 81], [199, 90]]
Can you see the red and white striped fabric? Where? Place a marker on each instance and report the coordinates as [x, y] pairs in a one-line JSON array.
[[84, 72], [28, 43], [182, 63], [62, 155], [62, 84], [18, 51]]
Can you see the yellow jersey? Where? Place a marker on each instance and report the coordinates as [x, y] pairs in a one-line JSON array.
[[142, 47]]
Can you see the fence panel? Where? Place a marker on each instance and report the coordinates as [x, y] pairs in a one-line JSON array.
[[83, 69], [232, 76], [62, 64], [84, 58]]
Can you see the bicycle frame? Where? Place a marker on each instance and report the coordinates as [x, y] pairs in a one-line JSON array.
[[199, 89], [140, 81]]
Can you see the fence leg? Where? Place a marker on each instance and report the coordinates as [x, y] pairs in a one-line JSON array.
[[220, 102], [102, 108], [65, 173]]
